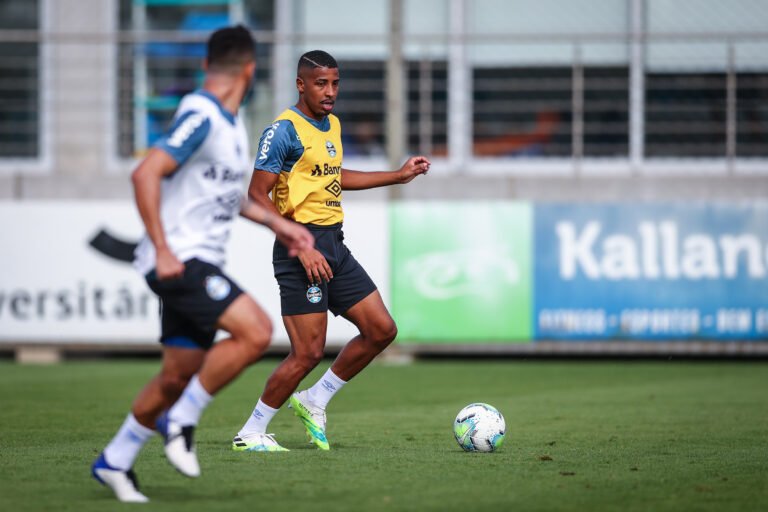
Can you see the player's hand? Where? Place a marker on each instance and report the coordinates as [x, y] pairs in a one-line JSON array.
[[294, 236], [316, 266], [413, 167], [168, 266]]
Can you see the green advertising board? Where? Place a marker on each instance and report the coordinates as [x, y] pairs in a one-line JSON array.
[[461, 272]]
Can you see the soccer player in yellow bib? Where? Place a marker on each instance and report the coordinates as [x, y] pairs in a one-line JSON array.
[[299, 162]]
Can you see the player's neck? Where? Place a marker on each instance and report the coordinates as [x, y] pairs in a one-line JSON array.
[[228, 91], [308, 113]]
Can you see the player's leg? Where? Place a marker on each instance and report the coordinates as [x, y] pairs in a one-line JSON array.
[[250, 332], [353, 294], [305, 314], [307, 335], [179, 365], [114, 466], [377, 330]]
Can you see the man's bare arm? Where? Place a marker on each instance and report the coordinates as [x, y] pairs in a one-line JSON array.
[[262, 183], [146, 179], [294, 236], [357, 180]]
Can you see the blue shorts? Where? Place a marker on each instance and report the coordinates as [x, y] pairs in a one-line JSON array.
[[350, 283], [191, 305]]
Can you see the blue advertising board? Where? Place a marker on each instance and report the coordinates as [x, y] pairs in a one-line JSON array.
[[651, 271]]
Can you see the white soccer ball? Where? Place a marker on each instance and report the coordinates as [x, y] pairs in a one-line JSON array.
[[479, 428]]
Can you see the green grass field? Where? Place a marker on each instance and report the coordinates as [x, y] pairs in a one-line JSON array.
[[580, 436]]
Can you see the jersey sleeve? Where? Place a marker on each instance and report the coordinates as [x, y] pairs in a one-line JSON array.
[[188, 132], [279, 148]]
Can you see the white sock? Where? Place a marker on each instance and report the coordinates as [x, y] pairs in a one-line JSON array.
[[122, 451], [259, 421], [189, 407], [324, 389]]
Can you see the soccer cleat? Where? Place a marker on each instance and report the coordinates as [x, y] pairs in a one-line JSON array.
[[123, 483], [179, 446], [257, 443], [313, 418]]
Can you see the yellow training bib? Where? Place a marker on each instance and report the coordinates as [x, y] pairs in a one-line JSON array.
[[310, 193]]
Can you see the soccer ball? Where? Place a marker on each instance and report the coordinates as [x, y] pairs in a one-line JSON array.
[[479, 428]]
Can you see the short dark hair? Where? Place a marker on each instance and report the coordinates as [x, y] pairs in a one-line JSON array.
[[316, 59], [230, 47]]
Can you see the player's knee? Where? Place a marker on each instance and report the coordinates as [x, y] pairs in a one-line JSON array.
[[256, 339], [309, 359], [384, 334]]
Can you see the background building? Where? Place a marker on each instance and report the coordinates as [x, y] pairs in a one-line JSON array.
[[535, 105]]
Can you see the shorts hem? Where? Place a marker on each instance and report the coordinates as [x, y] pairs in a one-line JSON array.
[[183, 342], [354, 302]]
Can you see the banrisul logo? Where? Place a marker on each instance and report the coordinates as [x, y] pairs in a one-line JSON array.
[[657, 250], [443, 275], [463, 270]]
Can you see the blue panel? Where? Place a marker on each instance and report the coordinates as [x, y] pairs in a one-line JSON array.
[[651, 271]]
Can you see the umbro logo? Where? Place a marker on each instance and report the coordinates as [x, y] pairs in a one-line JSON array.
[[334, 188]]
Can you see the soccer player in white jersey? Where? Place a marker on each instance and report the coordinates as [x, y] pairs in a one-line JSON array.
[[188, 190]]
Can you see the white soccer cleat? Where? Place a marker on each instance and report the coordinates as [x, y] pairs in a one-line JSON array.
[[122, 483], [180, 446], [256, 443]]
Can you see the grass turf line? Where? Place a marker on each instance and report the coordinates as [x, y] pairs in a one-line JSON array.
[[580, 436]]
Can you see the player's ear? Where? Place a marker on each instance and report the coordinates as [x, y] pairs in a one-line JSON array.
[[205, 64], [300, 85], [250, 69]]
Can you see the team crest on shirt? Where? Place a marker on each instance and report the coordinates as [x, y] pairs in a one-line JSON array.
[[217, 287], [331, 148], [314, 294]]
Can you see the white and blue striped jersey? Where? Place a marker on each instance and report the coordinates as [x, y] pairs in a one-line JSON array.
[[200, 200]]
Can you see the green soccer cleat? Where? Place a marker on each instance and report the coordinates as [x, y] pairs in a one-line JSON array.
[[257, 443], [313, 418]]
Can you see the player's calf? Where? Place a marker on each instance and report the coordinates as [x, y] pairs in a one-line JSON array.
[[172, 385]]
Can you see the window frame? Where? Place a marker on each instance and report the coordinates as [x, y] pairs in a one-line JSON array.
[[42, 164]]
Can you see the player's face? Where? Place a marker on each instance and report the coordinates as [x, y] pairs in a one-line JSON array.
[[318, 88]]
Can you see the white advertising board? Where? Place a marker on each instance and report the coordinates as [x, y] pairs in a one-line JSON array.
[[56, 288]]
